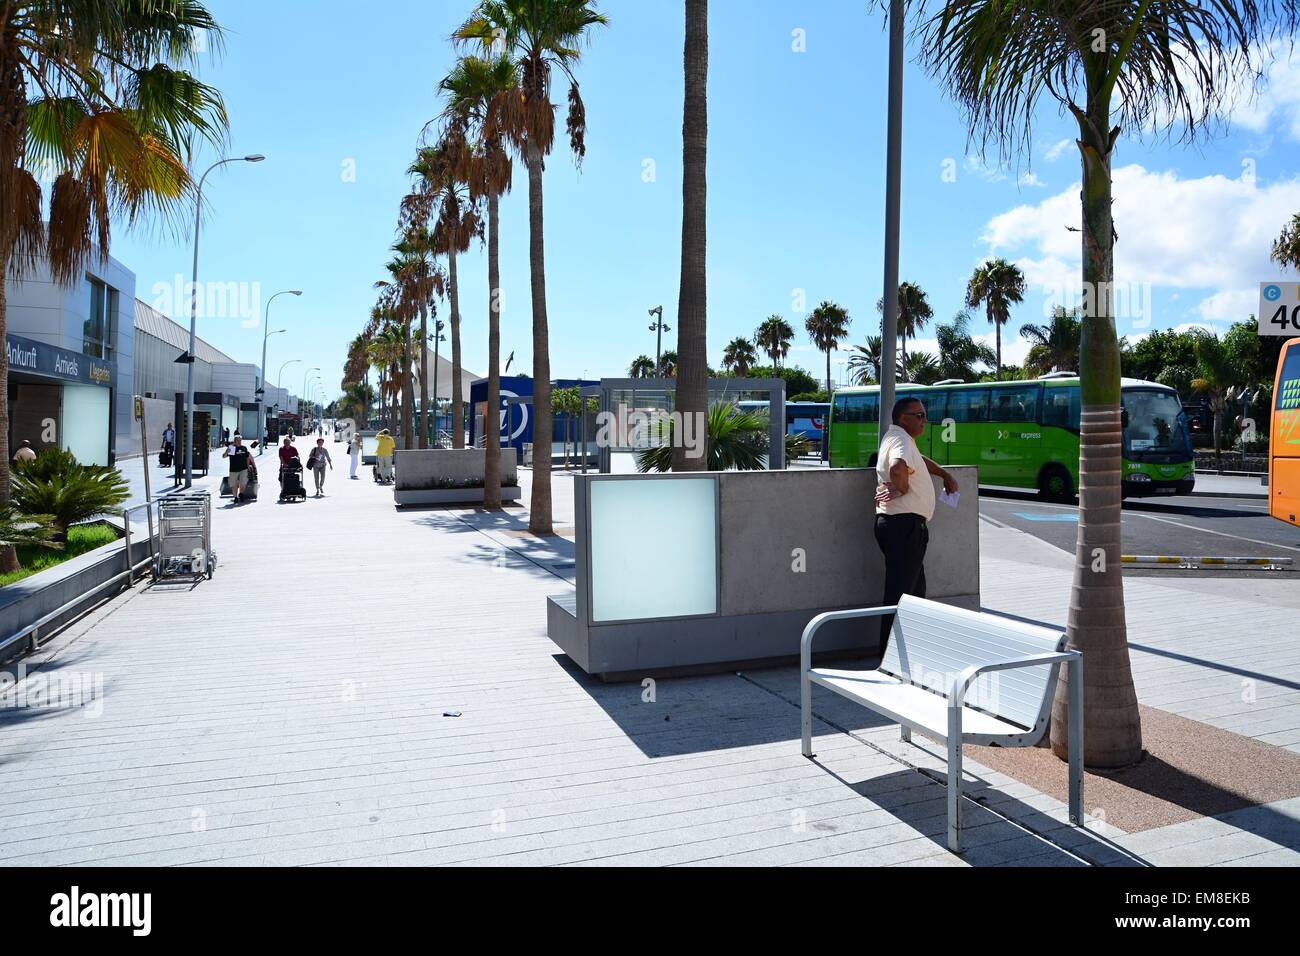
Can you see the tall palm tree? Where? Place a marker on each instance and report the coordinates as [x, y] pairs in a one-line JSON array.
[[959, 353], [388, 351], [996, 285], [773, 337], [643, 366], [1110, 65], [422, 280], [1286, 247], [913, 312], [1215, 374], [95, 95], [1054, 347], [826, 325], [476, 88], [442, 199], [922, 368], [864, 362], [739, 356], [692, 397], [403, 293], [667, 365], [539, 36]]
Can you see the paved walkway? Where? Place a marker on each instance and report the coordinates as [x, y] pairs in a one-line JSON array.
[[362, 685]]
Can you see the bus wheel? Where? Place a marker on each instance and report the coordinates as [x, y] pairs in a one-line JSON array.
[[1054, 484]]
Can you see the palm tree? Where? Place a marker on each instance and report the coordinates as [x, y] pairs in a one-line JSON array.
[[1286, 247], [959, 353], [1053, 347], [826, 325], [692, 396], [773, 337], [476, 89], [442, 197], [922, 368], [735, 438], [54, 484], [864, 362], [1111, 65], [424, 280], [739, 356], [667, 365], [1214, 375], [643, 366], [996, 285], [388, 351], [913, 312], [93, 94], [538, 36]]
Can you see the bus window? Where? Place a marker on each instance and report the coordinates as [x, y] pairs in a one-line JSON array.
[[1061, 407], [859, 409], [1018, 404], [1155, 422], [968, 405]]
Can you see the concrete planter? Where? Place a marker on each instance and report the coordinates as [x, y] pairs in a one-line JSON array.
[[27, 601], [438, 476]]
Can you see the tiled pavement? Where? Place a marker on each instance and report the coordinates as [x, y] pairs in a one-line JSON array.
[[297, 709]]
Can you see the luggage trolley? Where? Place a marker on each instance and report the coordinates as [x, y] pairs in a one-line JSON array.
[[185, 535]]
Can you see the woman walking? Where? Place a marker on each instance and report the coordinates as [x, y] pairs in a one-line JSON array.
[[317, 462], [355, 451]]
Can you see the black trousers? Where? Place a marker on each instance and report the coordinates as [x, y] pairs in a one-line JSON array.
[[903, 539]]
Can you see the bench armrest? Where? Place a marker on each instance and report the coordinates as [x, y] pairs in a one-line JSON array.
[[805, 642], [961, 683]]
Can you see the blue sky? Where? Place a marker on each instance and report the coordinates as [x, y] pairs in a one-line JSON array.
[[796, 179]]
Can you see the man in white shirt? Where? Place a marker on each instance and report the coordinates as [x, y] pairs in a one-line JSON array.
[[905, 505]]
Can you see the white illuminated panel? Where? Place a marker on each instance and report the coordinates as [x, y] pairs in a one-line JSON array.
[[653, 548]]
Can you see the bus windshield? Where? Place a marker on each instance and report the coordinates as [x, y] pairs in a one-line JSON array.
[[1154, 422]]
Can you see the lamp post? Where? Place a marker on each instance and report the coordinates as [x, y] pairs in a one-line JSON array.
[[893, 180], [194, 305], [308, 397], [267, 333], [280, 378], [302, 396], [437, 337], [659, 329]]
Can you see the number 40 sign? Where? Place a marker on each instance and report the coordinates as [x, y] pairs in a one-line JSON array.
[[1279, 308]]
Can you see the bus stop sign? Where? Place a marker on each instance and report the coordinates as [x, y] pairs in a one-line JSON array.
[[1279, 308]]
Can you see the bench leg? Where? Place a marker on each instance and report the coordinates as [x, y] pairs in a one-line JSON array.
[[1075, 741], [905, 733], [954, 780], [805, 712]]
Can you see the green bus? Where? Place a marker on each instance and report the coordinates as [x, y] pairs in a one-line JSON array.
[[1024, 434]]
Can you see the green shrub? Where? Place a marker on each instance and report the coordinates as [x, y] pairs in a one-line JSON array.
[[54, 484]]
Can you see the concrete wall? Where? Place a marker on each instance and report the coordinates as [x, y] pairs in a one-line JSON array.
[[418, 468], [830, 516], [766, 523]]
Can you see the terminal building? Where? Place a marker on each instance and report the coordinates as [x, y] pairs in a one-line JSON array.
[[79, 354]]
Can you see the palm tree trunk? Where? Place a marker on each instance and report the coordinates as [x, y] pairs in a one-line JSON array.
[[457, 395], [8, 556], [408, 389], [1096, 624], [539, 511], [424, 376], [1218, 438], [902, 351], [997, 335], [692, 300], [491, 411]]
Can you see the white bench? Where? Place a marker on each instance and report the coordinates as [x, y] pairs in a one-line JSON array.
[[959, 677]]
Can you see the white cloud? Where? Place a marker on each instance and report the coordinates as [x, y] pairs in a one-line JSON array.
[[1210, 234], [1275, 106], [1030, 179], [1058, 149]]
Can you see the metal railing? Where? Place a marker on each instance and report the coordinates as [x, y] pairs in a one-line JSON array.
[[31, 633]]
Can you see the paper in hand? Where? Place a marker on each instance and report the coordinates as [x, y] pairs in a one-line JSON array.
[[950, 499]]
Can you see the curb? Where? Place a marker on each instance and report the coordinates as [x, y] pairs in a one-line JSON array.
[[1258, 496]]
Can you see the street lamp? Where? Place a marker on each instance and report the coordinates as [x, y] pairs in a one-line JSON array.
[[280, 378], [267, 333], [194, 305], [659, 329], [303, 393], [893, 183], [437, 337]]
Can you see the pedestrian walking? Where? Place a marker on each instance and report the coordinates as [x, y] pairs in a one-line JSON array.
[[317, 461], [354, 451], [240, 458], [904, 506]]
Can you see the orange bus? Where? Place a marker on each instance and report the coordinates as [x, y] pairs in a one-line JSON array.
[[1284, 440]]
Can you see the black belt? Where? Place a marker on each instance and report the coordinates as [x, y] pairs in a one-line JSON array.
[[904, 514]]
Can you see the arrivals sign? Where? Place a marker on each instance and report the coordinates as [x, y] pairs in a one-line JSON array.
[[1279, 308], [26, 355]]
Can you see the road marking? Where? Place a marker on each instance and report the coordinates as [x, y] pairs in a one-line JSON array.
[[1030, 516], [1222, 534]]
